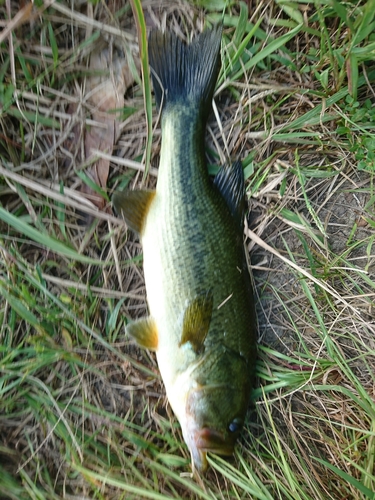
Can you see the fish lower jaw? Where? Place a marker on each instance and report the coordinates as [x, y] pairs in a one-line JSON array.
[[198, 460], [203, 441]]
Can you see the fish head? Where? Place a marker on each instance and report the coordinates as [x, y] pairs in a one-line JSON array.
[[213, 420]]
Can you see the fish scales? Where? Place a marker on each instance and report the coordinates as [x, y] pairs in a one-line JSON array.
[[202, 322], [186, 219]]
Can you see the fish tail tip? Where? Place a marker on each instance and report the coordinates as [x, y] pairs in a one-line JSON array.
[[184, 71]]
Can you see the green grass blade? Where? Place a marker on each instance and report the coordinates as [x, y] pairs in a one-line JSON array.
[[269, 49], [348, 478], [43, 239], [142, 40]]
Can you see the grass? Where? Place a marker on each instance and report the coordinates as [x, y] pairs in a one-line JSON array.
[[83, 412]]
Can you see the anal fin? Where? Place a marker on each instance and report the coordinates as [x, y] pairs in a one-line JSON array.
[[144, 332], [133, 206], [196, 322]]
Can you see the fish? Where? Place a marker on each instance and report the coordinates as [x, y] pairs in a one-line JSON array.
[[201, 320]]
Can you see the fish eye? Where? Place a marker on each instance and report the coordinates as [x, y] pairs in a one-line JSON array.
[[235, 425]]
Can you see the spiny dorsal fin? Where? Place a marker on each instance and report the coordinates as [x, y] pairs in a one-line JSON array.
[[144, 332], [133, 206], [196, 322], [182, 71], [231, 184]]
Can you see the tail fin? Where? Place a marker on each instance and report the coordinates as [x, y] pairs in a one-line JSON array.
[[184, 73]]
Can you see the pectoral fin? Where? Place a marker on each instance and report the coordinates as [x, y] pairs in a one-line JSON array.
[[231, 184], [133, 206], [144, 332], [196, 322]]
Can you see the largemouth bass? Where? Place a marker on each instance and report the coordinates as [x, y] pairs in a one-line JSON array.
[[202, 320]]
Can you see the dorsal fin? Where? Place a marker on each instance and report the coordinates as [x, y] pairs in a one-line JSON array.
[[133, 206], [231, 184]]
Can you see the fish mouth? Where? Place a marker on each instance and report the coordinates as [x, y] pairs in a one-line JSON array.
[[207, 439]]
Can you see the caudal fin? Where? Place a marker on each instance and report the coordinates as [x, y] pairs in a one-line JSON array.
[[184, 73]]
